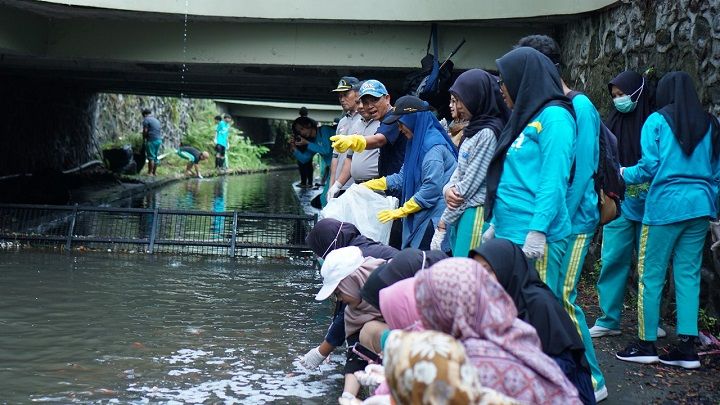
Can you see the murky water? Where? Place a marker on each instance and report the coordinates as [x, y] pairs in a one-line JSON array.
[[103, 328], [265, 192]]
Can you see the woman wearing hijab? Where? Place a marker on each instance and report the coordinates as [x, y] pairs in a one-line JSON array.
[[430, 159], [528, 176], [327, 235], [404, 265], [476, 91], [432, 368], [459, 297], [539, 307], [680, 145], [344, 273], [632, 106]]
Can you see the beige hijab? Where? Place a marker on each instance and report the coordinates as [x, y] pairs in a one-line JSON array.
[[356, 317]]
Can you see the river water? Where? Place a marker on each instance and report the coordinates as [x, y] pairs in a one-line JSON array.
[[109, 328]]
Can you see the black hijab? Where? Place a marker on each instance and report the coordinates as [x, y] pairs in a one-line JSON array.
[[534, 83], [535, 303], [479, 92], [404, 265], [627, 126], [678, 102], [330, 234]]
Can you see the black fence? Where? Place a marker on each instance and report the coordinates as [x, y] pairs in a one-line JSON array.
[[232, 233]]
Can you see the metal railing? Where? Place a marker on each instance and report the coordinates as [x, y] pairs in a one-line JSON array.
[[231, 233]]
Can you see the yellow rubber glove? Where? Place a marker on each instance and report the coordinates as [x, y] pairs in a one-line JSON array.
[[376, 184], [410, 207], [342, 143]]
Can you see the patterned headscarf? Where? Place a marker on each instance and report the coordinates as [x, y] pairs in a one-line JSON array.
[[432, 368], [458, 296]]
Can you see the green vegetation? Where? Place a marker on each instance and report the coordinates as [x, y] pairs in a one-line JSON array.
[[135, 140], [241, 153]]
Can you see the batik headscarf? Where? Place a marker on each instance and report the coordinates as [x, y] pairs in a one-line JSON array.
[[480, 93], [330, 234], [534, 301], [678, 102], [431, 368], [458, 296]]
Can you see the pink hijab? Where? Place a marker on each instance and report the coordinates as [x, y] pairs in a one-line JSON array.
[[397, 304], [459, 297]]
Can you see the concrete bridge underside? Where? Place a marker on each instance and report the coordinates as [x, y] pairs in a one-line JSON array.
[[221, 50]]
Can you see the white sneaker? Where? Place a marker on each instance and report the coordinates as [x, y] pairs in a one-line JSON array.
[[602, 393], [661, 332], [599, 331]]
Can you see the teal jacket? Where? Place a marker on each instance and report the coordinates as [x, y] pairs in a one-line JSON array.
[[581, 196], [681, 187], [533, 185]]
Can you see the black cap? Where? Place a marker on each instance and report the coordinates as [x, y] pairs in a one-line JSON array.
[[406, 105], [347, 83]]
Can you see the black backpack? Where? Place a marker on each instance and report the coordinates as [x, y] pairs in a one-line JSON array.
[[609, 184]]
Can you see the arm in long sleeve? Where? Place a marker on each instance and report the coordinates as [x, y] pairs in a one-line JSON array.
[[480, 158], [303, 156], [586, 156], [395, 181], [645, 170], [556, 142], [430, 191]]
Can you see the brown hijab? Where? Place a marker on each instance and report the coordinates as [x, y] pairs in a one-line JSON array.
[[359, 315]]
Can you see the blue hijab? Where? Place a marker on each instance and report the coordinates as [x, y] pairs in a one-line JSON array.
[[427, 133]]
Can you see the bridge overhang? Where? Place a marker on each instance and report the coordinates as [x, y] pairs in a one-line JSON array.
[[274, 50]]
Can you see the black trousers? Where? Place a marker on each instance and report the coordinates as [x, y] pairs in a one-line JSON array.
[[306, 173]]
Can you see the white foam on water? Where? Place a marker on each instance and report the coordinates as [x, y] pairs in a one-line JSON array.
[[241, 382]]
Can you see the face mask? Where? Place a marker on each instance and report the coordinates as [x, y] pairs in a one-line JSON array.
[[624, 104], [320, 261]]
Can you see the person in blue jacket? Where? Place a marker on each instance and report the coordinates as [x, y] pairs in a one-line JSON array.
[[313, 139], [582, 207], [528, 177], [632, 104], [680, 145], [430, 159]]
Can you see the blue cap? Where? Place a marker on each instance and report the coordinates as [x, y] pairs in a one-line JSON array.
[[373, 88]]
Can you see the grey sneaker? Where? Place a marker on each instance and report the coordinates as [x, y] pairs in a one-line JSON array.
[[600, 331]]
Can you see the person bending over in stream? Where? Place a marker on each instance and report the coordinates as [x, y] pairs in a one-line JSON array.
[[194, 157]]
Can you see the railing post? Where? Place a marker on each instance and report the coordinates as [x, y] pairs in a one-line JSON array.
[[71, 228], [153, 230], [234, 234]]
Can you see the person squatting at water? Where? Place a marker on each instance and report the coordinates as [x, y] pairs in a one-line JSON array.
[[194, 157], [326, 236]]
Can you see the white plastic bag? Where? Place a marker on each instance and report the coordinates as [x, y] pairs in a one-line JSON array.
[[359, 206]]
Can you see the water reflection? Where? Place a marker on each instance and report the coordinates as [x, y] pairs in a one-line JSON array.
[[218, 205], [136, 329]]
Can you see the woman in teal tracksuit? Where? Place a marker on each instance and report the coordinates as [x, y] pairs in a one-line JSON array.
[[528, 176], [632, 106], [680, 145]]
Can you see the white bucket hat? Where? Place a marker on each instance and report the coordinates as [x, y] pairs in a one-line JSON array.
[[338, 264]]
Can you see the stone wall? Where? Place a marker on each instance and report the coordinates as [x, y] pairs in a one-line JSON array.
[[636, 34], [45, 126], [118, 116]]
